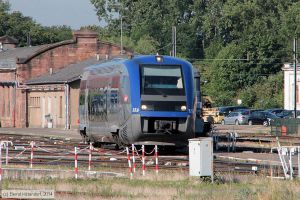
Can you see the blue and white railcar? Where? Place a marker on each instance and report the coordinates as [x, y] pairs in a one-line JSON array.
[[145, 99]]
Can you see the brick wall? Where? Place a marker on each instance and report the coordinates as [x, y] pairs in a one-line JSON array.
[[84, 45]]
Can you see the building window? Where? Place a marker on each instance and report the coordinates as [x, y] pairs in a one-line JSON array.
[[34, 102]]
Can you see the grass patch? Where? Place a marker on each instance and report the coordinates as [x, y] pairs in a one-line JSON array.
[[168, 185]]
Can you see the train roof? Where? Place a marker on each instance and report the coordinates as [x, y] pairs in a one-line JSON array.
[[139, 59], [73, 72]]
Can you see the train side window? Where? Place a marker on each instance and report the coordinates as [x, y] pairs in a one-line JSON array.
[[125, 85]]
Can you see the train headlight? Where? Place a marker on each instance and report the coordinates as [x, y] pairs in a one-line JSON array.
[[144, 107], [183, 108], [159, 58]]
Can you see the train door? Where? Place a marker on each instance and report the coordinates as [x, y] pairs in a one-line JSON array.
[[125, 98], [113, 103], [83, 111], [97, 103]]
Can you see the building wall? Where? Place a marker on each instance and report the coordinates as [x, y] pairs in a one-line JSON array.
[[289, 88], [65, 54], [46, 109], [7, 98], [84, 45]]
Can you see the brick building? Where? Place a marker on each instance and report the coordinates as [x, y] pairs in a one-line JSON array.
[[289, 87], [32, 91]]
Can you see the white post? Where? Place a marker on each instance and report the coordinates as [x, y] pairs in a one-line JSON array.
[[31, 154], [90, 156], [291, 164], [76, 167], [156, 159], [143, 160], [133, 158], [6, 157], [129, 162]]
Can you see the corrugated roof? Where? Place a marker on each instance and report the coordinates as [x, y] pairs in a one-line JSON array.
[[67, 74], [8, 58]]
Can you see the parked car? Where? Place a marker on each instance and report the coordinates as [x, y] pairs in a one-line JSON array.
[[236, 117], [225, 110], [261, 117], [288, 114], [275, 111]]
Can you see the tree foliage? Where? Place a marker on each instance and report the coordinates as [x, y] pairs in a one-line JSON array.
[[18, 26], [238, 45], [241, 44]]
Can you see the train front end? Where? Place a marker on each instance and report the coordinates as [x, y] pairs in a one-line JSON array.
[[162, 100]]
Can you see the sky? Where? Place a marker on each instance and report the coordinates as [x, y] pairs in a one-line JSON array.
[[73, 13]]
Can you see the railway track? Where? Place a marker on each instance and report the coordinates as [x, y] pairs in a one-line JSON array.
[[56, 151]]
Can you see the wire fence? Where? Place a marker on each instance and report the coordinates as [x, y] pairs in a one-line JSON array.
[[283, 127]]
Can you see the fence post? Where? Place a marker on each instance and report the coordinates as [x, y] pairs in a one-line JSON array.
[[291, 164], [6, 156], [31, 154], [6, 145], [76, 166], [129, 162], [143, 160], [90, 156], [133, 158], [156, 159]]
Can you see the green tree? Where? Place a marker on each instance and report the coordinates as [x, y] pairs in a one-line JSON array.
[[267, 93], [153, 18], [18, 26]]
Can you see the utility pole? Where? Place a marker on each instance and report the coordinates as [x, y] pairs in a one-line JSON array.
[[28, 40], [121, 33], [174, 41], [295, 78]]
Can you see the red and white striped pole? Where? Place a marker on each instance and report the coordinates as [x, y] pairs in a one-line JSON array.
[[156, 159], [76, 166], [143, 160], [0, 161], [6, 157], [31, 154], [129, 163], [133, 158], [90, 156]]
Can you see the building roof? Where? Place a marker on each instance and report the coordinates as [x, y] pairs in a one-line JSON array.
[[8, 40], [290, 66], [67, 74], [8, 58]]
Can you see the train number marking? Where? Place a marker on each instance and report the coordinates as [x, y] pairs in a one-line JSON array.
[[135, 109]]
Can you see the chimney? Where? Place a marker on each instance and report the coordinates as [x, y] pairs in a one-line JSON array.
[[85, 36]]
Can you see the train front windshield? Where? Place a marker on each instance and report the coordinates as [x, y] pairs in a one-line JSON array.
[[162, 80]]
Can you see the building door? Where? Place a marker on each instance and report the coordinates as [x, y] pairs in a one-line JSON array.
[[34, 109]]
